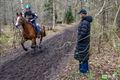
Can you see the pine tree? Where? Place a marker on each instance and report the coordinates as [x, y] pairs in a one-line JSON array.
[[48, 12], [69, 18]]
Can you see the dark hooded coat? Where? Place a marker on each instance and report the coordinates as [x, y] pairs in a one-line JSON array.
[[83, 40]]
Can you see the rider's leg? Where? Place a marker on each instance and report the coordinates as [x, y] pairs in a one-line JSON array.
[[36, 28], [34, 25]]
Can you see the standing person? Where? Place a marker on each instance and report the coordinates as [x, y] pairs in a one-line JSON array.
[[83, 41]]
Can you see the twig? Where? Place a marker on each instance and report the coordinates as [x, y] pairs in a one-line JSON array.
[[114, 23], [101, 9]]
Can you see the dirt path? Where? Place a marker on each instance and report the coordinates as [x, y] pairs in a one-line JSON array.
[[45, 63], [11, 53]]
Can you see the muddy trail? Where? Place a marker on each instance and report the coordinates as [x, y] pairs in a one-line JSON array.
[[46, 63]]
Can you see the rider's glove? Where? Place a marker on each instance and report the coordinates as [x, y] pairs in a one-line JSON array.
[[31, 20]]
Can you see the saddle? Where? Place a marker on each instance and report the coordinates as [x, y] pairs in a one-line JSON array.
[[37, 27]]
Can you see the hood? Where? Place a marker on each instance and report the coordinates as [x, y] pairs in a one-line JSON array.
[[88, 18]]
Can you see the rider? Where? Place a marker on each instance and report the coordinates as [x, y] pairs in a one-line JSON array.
[[31, 17]]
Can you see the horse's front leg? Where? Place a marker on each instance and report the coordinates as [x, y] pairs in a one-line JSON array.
[[22, 43], [33, 43]]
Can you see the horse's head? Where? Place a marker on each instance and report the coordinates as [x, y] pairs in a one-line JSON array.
[[20, 20]]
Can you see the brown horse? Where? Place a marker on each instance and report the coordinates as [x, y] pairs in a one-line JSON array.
[[28, 32]]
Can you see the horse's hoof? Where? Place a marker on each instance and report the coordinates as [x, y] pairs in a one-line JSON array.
[[40, 46], [33, 46], [26, 49]]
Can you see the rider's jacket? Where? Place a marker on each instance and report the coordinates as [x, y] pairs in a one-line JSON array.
[[30, 15]]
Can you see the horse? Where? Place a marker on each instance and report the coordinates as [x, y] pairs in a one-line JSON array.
[[28, 32]]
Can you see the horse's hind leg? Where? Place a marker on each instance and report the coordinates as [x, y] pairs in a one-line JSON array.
[[22, 43], [41, 37]]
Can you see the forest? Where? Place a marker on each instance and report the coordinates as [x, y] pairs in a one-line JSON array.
[[55, 58]]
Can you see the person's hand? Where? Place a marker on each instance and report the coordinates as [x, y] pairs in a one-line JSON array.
[[78, 56]]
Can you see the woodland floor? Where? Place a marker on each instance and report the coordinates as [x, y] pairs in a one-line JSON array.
[[54, 61]]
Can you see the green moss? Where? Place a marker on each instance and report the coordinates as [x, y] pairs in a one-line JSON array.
[[104, 77]]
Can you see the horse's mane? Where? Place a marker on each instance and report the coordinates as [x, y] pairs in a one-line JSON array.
[[25, 21]]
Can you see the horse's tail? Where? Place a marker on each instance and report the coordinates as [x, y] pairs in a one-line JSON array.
[[44, 31]]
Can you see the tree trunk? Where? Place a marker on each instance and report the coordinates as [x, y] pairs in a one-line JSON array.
[[4, 15], [53, 14], [0, 29], [81, 4]]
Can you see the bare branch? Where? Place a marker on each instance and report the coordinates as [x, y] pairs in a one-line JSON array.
[[114, 23], [101, 9]]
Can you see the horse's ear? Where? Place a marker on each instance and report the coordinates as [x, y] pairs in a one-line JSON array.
[[17, 14], [21, 14]]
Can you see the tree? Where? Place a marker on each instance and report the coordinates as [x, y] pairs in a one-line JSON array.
[[53, 14], [50, 12], [0, 21], [5, 20], [69, 16], [48, 9]]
